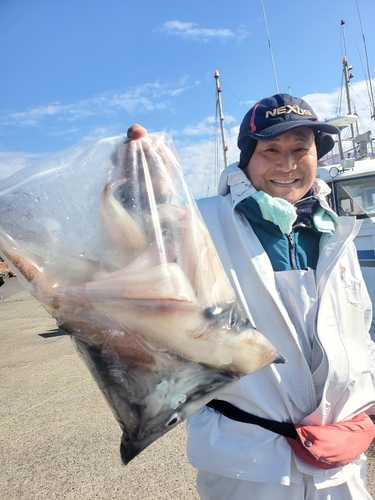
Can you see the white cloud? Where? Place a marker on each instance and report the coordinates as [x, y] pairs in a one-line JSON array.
[[192, 31], [198, 147], [143, 98], [32, 116], [201, 159], [198, 164], [100, 132], [205, 127], [208, 126], [12, 161]]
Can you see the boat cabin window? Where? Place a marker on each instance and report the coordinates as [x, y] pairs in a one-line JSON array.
[[354, 196]]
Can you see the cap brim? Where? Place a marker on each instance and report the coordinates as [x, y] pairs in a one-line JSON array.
[[280, 128]]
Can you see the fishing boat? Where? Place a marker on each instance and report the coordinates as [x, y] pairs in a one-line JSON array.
[[352, 183], [351, 177]]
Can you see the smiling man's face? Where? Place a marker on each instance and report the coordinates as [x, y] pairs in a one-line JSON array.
[[284, 167]]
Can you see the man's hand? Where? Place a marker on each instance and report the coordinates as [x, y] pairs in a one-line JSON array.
[[136, 131]]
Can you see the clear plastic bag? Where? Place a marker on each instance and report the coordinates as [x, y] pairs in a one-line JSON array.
[[109, 239]]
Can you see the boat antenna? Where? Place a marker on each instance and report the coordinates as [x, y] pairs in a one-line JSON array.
[[347, 77], [370, 88], [270, 47], [220, 106]]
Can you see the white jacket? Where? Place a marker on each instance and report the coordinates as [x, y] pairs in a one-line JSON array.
[[288, 392]]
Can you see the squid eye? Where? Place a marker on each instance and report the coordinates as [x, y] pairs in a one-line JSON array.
[[173, 420], [165, 232]]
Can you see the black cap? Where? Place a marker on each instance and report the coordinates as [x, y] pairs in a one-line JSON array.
[[273, 116]]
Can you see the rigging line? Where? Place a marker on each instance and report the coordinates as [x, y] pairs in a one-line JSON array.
[[232, 141], [359, 98], [371, 97], [371, 105], [234, 95], [210, 165], [368, 83], [270, 47], [45, 401], [346, 69], [344, 38], [339, 94], [205, 177], [228, 131], [339, 105], [229, 134], [217, 146]]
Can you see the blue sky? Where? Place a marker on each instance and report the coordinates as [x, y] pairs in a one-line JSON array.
[[78, 69]]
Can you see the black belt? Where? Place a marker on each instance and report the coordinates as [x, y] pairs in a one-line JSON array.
[[234, 413]]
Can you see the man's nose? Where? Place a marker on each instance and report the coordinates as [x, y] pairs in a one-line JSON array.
[[286, 161]]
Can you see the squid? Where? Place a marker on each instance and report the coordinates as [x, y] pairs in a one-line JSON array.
[[130, 272]]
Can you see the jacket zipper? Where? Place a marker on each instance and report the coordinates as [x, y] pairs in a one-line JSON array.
[[292, 252], [277, 306]]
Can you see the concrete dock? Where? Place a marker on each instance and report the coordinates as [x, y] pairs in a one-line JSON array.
[[58, 438]]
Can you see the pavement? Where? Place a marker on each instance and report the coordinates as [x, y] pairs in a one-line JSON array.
[[58, 438]]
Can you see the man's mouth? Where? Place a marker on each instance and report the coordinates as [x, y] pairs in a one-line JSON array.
[[284, 182]]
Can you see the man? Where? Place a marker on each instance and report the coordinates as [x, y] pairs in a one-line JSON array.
[[296, 266], [294, 263]]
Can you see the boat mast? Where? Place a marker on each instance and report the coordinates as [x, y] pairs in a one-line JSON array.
[[347, 77], [220, 105]]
